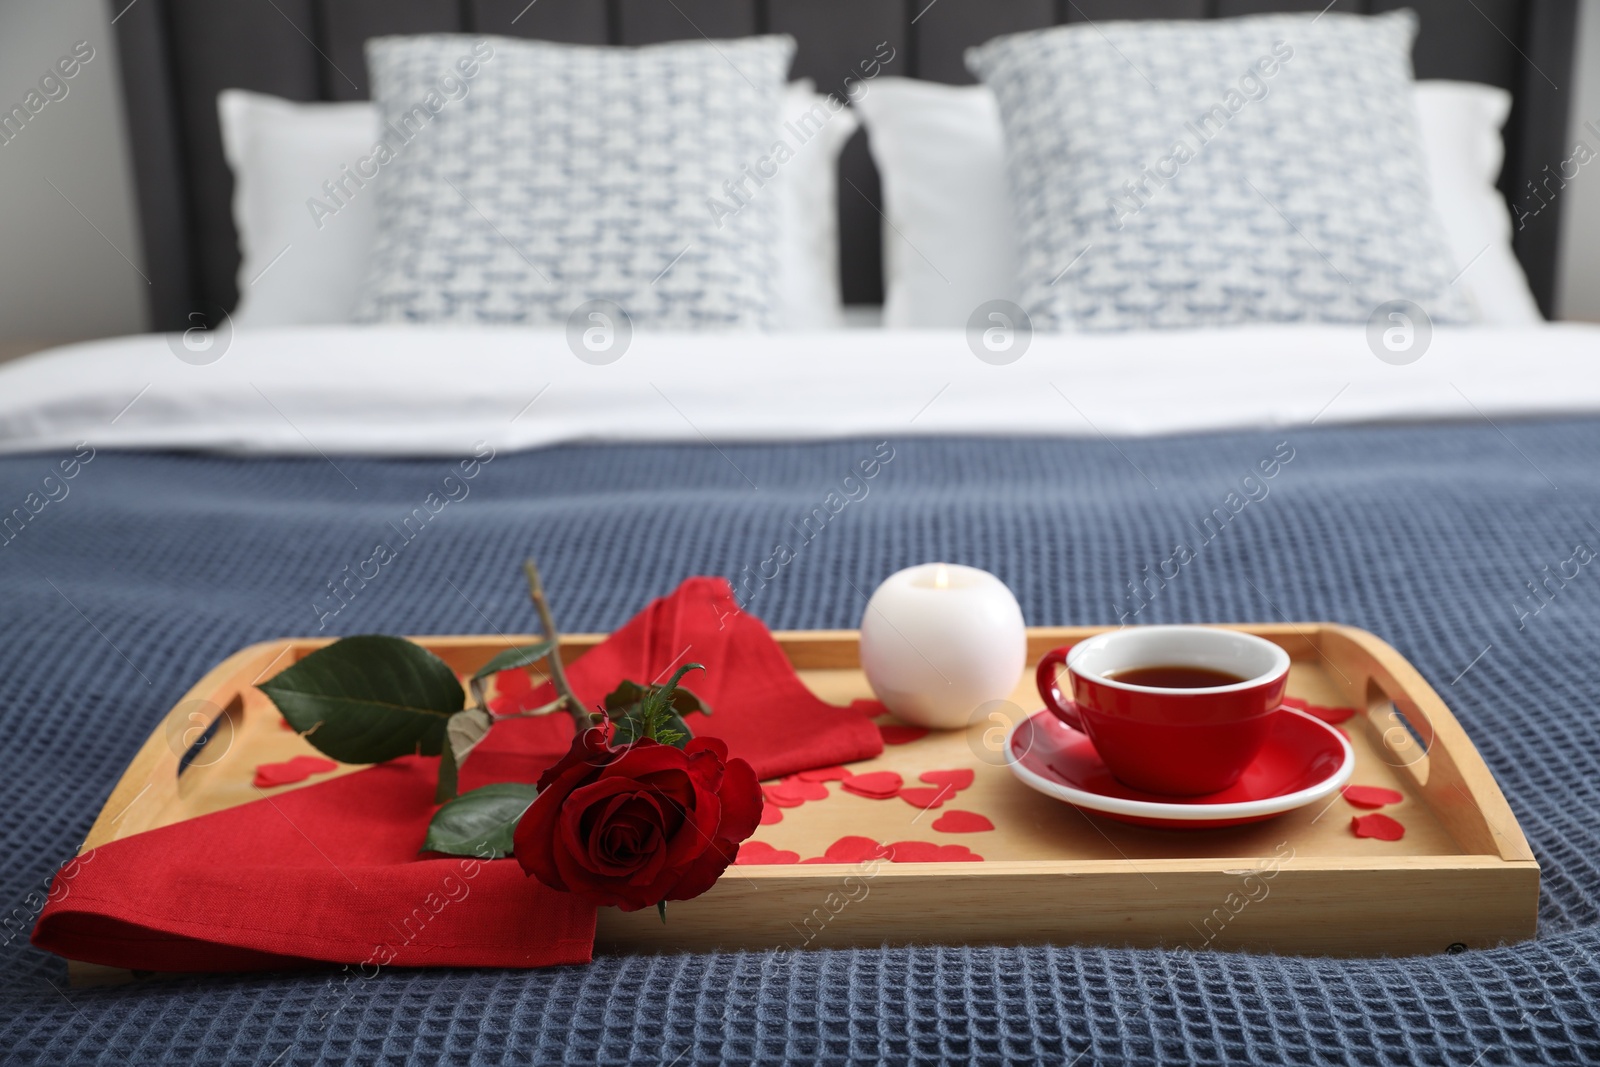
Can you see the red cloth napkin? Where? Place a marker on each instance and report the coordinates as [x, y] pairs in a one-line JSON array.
[[758, 705], [330, 872]]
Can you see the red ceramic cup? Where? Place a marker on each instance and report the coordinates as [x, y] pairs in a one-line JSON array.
[[1181, 742]]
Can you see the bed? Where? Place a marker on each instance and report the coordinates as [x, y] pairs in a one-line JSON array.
[[1429, 503]]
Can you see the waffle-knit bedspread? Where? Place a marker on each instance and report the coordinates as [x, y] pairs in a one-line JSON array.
[[120, 593]]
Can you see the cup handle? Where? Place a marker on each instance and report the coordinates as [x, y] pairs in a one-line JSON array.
[[1055, 701]]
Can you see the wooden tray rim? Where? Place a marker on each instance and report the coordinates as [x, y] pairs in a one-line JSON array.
[[1507, 847]]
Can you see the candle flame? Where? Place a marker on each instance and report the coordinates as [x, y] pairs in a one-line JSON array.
[[941, 577]]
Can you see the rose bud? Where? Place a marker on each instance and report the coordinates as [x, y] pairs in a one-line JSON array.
[[640, 824]]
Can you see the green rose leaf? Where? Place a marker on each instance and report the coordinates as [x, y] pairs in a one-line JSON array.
[[653, 711], [630, 726], [369, 698], [462, 734], [480, 823], [684, 701], [513, 658], [628, 695]]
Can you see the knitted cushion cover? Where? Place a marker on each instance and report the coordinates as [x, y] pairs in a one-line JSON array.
[[153, 567]]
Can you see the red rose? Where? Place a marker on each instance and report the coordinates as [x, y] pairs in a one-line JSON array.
[[637, 825]]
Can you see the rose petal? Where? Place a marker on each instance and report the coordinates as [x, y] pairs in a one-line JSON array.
[[928, 852], [285, 724], [589, 750], [824, 774], [962, 822], [714, 745], [571, 841], [290, 771], [646, 757], [754, 853], [878, 785], [700, 875], [797, 786], [895, 734], [742, 802], [771, 813], [1371, 796], [1379, 826], [957, 779], [623, 833], [932, 797]]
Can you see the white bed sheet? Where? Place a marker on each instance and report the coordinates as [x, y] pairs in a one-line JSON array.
[[439, 391]]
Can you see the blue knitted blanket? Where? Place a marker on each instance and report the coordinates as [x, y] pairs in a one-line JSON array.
[[123, 584]]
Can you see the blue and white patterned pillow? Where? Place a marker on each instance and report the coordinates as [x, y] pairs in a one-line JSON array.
[[1252, 170], [523, 179]]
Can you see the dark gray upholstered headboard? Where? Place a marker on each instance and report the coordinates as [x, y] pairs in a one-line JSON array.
[[177, 55]]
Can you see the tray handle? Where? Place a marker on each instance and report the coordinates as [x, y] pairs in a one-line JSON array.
[[1425, 745]]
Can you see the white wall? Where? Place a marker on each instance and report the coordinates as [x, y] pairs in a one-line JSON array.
[[1578, 283], [59, 278]]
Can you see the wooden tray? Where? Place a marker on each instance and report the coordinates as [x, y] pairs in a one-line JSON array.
[[1302, 883]]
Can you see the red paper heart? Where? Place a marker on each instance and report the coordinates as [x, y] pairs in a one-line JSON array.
[[776, 795], [852, 849], [290, 771], [870, 708], [1379, 826], [928, 852], [1371, 796], [795, 786], [771, 813], [955, 821], [895, 734], [918, 797], [956, 779], [879, 785], [755, 853], [824, 774], [913, 852]]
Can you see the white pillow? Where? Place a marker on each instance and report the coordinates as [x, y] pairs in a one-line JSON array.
[[282, 152], [296, 268], [941, 156], [1461, 124], [815, 127], [940, 153]]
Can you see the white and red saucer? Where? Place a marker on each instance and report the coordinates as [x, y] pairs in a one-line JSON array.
[[1303, 760]]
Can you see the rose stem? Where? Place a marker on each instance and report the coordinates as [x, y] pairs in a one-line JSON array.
[[558, 673], [558, 704]]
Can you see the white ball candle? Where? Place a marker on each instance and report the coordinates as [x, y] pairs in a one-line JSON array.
[[939, 640]]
